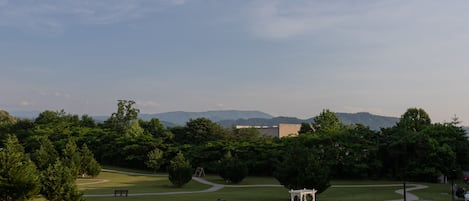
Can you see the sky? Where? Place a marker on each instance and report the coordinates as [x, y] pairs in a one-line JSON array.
[[282, 57]]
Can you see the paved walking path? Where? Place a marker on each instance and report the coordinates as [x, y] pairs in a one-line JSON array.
[[215, 187], [410, 196], [94, 181]]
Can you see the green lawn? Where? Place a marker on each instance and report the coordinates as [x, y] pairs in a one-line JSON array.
[[438, 192], [135, 184], [229, 194], [247, 181], [360, 194], [150, 184]]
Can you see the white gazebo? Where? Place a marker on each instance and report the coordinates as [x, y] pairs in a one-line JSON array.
[[301, 194]]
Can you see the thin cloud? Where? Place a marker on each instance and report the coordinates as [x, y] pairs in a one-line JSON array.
[[276, 19], [273, 21], [56, 94], [147, 104], [25, 103], [282, 19], [56, 15]]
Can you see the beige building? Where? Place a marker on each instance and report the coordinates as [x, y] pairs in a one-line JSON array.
[[282, 130]]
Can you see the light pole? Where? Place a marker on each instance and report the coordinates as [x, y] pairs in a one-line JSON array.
[[405, 193], [453, 173]]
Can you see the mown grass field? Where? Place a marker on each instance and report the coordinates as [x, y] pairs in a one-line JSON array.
[[135, 184], [160, 184]]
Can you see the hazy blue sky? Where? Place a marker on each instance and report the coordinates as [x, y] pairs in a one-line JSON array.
[[288, 58]]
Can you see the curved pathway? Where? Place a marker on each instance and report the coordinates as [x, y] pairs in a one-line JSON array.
[[134, 173], [94, 181], [410, 196], [215, 187]]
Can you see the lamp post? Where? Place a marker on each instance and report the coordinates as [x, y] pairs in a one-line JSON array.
[[452, 189], [405, 192], [453, 173]]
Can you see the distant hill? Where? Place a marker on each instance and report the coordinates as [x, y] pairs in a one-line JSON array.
[[180, 118], [261, 121], [228, 118], [375, 122], [25, 114]]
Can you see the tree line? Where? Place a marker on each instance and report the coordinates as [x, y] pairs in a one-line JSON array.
[[413, 149]]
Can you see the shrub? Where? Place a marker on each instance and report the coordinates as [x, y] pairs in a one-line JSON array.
[[179, 170], [232, 170]]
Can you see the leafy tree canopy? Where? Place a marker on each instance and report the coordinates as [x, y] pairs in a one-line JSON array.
[[6, 118], [327, 122], [414, 119]]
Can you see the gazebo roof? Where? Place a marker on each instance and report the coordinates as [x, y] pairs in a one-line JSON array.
[[302, 193]]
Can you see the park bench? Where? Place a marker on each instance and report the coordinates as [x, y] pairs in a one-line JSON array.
[[121, 193]]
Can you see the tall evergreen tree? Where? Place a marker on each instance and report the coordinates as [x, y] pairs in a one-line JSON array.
[[46, 154], [19, 178], [71, 157], [59, 184], [88, 164]]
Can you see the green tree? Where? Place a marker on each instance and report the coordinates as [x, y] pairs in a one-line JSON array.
[[6, 118], [231, 169], [156, 129], [125, 115], [327, 122], [414, 119], [87, 121], [246, 134], [71, 157], [47, 117], [134, 129], [132, 150], [450, 136], [415, 149], [201, 130], [154, 159], [179, 170], [306, 128], [46, 155], [89, 165], [58, 184], [19, 178], [93, 168], [357, 153], [302, 166]]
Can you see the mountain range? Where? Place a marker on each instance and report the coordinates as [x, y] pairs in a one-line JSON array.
[[229, 118], [375, 122]]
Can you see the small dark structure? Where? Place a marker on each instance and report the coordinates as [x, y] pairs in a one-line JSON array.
[[121, 193]]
